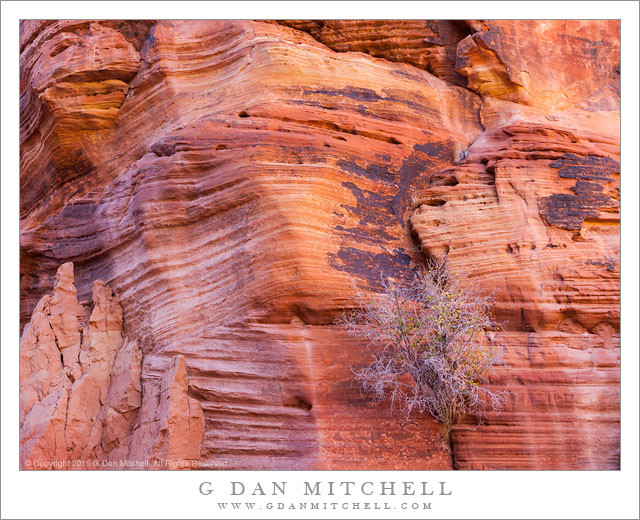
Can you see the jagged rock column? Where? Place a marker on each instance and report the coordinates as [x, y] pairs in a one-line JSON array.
[[81, 395]]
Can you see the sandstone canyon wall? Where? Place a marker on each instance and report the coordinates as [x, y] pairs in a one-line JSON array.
[[197, 197]]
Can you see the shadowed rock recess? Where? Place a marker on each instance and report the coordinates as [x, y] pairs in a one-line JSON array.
[[197, 197]]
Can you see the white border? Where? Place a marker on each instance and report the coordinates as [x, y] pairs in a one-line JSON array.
[[543, 494]]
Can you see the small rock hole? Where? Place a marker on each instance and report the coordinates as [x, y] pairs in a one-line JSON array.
[[435, 202]]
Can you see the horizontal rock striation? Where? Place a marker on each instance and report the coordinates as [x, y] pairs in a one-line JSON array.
[[230, 181], [427, 44], [532, 213]]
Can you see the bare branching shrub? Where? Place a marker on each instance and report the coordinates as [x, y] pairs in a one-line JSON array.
[[429, 346]]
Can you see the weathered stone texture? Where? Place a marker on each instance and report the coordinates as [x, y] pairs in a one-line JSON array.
[[81, 394], [228, 180]]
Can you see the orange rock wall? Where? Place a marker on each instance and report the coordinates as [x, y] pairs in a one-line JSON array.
[[228, 179]]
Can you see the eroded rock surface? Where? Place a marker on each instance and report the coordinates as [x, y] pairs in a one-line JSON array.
[[532, 213], [81, 395], [229, 179]]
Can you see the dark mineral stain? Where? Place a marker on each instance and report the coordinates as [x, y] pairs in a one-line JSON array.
[[380, 214], [376, 224], [371, 266], [368, 198], [149, 39], [608, 262], [367, 96], [363, 234], [569, 211], [358, 94], [310, 103], [405, 74], [374, 211], [79, 211], [413, 170], [374, 172], [587, 168], [435, 150]]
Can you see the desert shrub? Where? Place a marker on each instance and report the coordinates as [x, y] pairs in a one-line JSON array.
[[428, 342]]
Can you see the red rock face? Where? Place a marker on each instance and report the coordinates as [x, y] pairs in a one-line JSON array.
[[228, 181]]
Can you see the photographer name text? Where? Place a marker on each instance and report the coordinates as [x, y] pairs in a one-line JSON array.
[[328, 488]]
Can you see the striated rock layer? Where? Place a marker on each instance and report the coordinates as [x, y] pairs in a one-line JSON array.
[[229, 180]]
